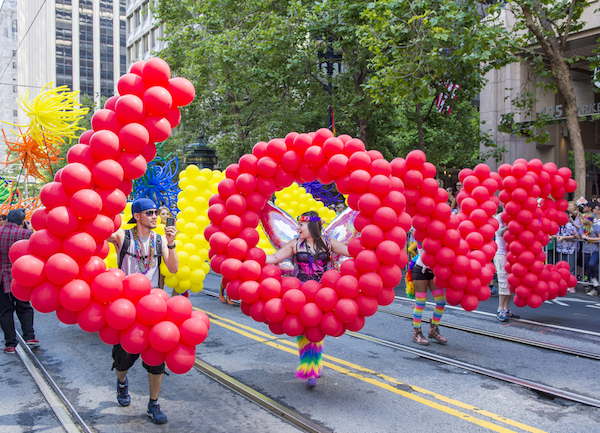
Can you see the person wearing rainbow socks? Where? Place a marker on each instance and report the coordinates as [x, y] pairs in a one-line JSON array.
[[422, 278], [311, 253]]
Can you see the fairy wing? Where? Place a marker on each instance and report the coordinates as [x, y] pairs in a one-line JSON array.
[[280, 227], [342, 229]]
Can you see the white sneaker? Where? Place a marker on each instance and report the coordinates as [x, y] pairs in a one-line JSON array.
[[595, 282], [592, 292]]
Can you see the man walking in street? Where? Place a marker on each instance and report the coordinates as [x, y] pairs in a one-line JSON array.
[[141, 251], [14, 230], [504, 293]]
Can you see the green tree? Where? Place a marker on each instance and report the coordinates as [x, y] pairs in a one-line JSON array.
[[420, 47], [547, 24]]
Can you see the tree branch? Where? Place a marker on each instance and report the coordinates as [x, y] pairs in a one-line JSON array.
[[565, 35]]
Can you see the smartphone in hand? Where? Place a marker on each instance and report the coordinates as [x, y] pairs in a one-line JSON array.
[[170, 222]]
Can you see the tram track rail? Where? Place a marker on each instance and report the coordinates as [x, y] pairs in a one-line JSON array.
[[537, 387], [260, 399], [543, 390], [66, 414], [509, 338]]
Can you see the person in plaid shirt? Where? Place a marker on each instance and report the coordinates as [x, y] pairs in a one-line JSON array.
[[11, 232]]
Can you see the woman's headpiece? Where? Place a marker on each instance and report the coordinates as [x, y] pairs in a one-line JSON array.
[[314, 219]]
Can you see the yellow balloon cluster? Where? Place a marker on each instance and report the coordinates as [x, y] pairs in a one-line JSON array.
[[197, 186], [295, 200]]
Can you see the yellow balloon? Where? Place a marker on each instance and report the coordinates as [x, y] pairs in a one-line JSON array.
[[190, 248], [180, 224], [203, 254], [184, 182], [196, 288], [207, 173], [192, 171], [183, 203], [198, 241], [183, 273], [184, 286], [201, 183], [182, 174], [197, 276], [184, 258], [200, 204], [160, 229], [190, 213], [205, 267], [171, 281], [191, 192], [191, 229], [164, 270], [183, 237], [202, 222], [178, 245], [195, 262]]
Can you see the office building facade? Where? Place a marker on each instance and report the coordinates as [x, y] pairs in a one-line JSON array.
[[9, 84], [77, 43], [144, 32]]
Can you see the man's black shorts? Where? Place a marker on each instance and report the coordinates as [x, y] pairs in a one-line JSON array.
[[419, 275], [123, 361]]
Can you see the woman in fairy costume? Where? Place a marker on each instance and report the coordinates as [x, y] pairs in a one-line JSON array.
[[311, 253]]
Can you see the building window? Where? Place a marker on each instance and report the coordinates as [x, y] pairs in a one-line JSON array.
[[14, 53], [153, 38], [14, 89], [145, 11], [145, 40], [14, 30], [15, 113], [136, 17], [14, 65], [129, 22], [137, 50], [130, 53]]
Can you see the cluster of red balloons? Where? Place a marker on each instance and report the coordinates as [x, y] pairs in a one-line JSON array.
[[342, 299], [61, 268], [457, 248], [529, 226]]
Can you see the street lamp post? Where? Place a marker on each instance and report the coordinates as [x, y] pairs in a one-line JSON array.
[[329, 56]]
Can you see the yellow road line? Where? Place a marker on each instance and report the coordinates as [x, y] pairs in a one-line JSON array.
[[279, 344]]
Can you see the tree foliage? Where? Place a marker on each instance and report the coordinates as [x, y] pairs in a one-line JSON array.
[[258, 72]]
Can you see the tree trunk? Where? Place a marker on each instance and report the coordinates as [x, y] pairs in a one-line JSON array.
[[419, 120], [553, 49], [362, 129]]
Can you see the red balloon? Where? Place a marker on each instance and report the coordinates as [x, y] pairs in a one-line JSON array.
[[93, 267], [158, 128], [108, 174], [130, 109], [157, 100], [347, 287], [367, 261], [181, 359], [152, 356], [68, 317], [45, 297], [61, 268], [86, 203], [134, 137], [179, 309], [74, 177], [292, 326], [100, 228], [135, 338], [346, 310], [120, 314], [250, 271], [131, 84], [152, 308], [331, 325], [43, 244], [106, 120], [193, 331], [113, 201], [274, 310], [81, 153], [182, 91], [134, 165], [293, 301], [75, 295], [91, 318], [136, 286], [310, 315], [164, 336], [326, 299]]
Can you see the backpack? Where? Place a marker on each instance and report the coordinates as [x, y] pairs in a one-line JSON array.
[[125, 247]]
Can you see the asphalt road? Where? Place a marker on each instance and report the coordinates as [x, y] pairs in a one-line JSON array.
[[365, 387]]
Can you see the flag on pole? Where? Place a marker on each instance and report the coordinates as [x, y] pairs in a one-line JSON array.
[[442, 101]]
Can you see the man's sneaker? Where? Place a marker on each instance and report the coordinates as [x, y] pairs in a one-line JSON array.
[[10, 349], [502, 316], [123, 392], [33, 342], [592, 292], [595, 282], [512, 315], [156, 415]]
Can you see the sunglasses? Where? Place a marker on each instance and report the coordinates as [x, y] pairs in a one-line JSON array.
[[150, 213]]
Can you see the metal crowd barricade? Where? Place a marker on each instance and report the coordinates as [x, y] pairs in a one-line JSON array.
[[552, 257]]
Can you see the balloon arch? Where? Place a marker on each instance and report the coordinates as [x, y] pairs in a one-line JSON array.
[[389, 197], [60, 268]]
